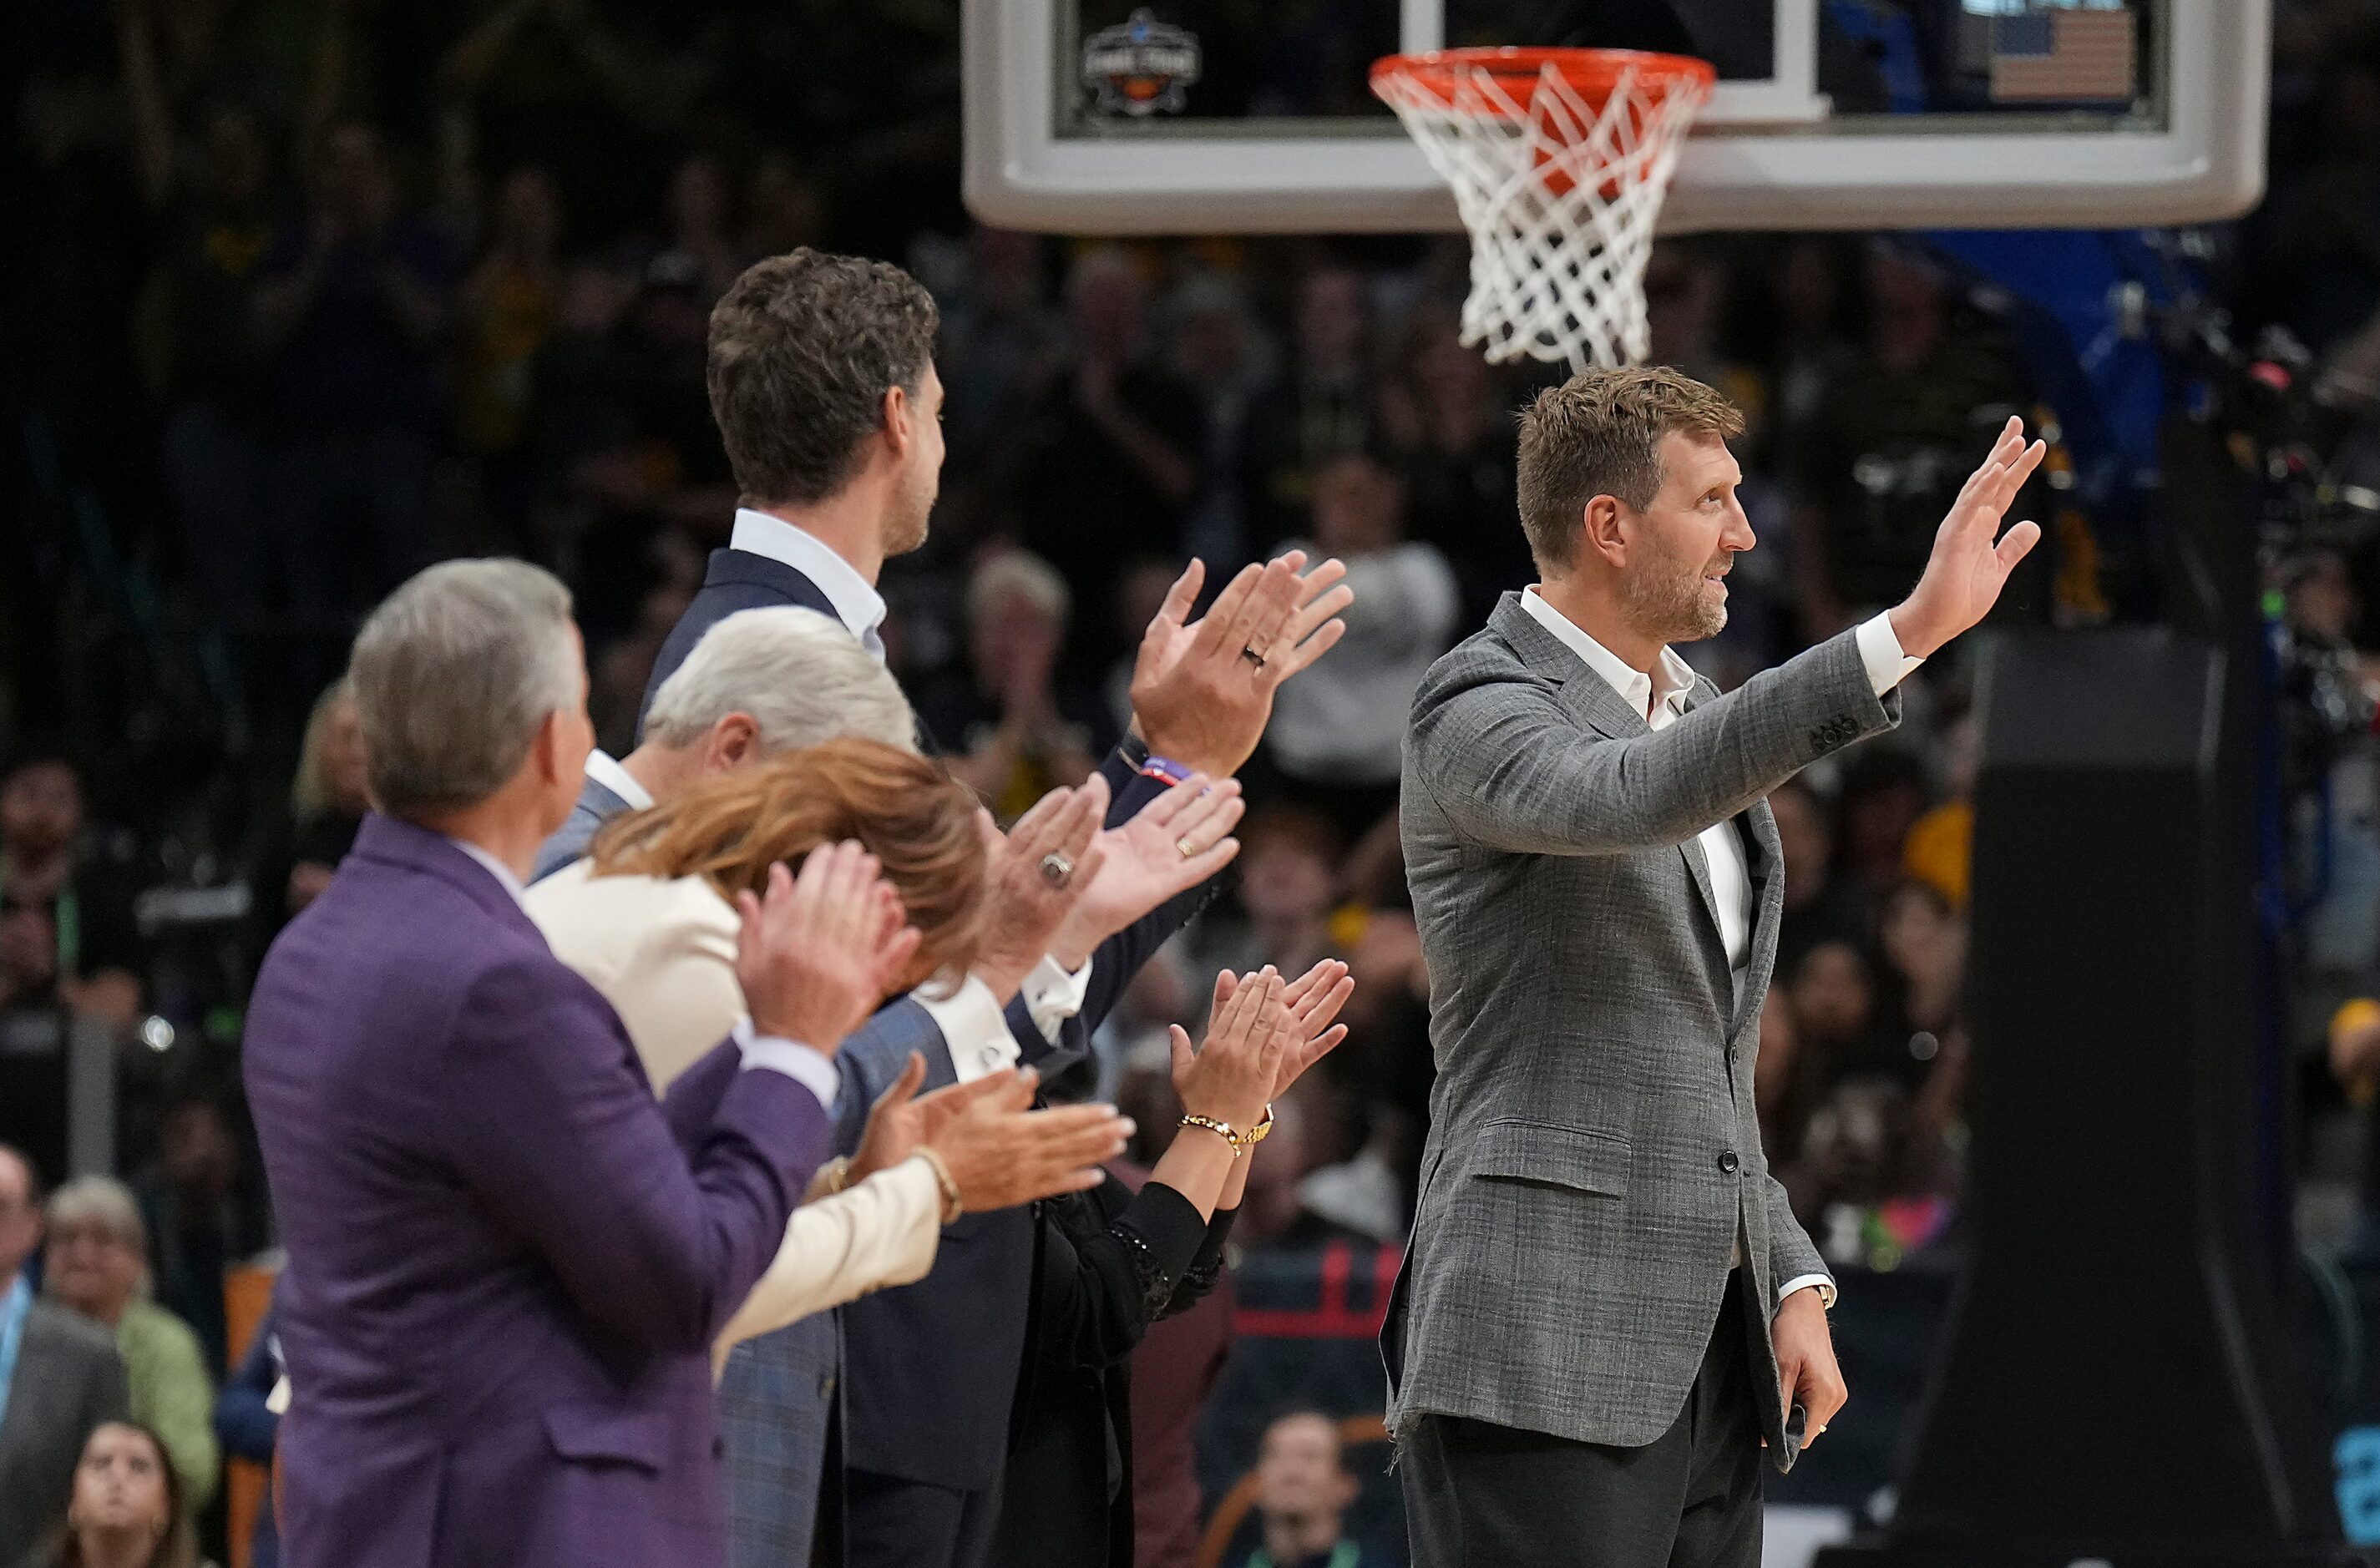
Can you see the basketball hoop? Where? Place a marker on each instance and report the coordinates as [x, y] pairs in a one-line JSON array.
[[1559, 159]]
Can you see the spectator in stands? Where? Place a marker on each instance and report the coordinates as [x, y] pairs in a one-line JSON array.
[[217, 232], [784, 209], [354, 311], [70, 952], [1925, 947], [63, 1377], [88, 955], [326, 799], [1015, 728], [127, 1509], [1894, 437], [1118, 438], [1883, 796], [198, 1230], [1303, 1495], [1219, 352], [1833, 992], [1819, 906], [507, 306], [699, 210], [1939, 850], [1452, 423], [1321, 407], [1288, 884], [1338, 734], [250, 1427], [96, 1263]]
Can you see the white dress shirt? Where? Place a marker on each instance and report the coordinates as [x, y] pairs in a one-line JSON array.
[[970, 1017], [769, 1052], [1661, 698], [605, 770], [856, 603]]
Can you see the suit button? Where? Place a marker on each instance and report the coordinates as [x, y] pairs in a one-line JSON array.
[[1728, 1161], [826, 1385]]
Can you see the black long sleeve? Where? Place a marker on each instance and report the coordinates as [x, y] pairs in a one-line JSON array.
[[1113, 1264]]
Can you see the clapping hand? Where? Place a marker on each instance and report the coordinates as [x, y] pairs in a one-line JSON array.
[[817, 953], [1308, 1006], [1177, 841], [1000, 1152], [1041, 869], [1230, 1079], [1203, 690], [1971, 558]]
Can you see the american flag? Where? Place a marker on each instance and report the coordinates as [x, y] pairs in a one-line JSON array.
[[2062, 56]]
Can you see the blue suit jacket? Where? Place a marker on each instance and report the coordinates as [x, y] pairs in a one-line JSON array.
[[506, 1263], [929, 1369]]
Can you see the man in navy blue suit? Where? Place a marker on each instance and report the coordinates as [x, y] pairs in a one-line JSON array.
[[822, 383]]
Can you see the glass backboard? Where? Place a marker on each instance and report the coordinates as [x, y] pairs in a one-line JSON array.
[[1119, 116]]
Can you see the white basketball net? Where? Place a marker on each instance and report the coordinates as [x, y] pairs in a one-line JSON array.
[[1561, 196]]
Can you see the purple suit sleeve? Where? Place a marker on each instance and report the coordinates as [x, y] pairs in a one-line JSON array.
[[694, 1095], [556, 1133]]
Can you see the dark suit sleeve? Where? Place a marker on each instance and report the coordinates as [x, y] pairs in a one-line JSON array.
[[874, 1055], [555, 1131], [245, 1427]]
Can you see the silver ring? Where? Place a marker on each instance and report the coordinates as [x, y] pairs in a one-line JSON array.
[[1250, 653], [1056, 870]]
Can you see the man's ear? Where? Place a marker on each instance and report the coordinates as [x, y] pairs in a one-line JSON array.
[[899, 412], [733, 741], [1603, 533], [549, 747]]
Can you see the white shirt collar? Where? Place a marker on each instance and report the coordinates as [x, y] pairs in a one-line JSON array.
[[496, 868], [1635, 687], [605, 771], [856, 603]]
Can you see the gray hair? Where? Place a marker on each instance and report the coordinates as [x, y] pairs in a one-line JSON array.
[[803, 678], [453, 675], [102, 1200], [1022, 573]]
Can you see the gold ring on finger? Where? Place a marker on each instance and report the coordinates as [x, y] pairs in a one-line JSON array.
[[1189, 850]]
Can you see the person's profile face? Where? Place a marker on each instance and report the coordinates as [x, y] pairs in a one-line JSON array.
[[919, 481], [1682, 545], [120, 1484]]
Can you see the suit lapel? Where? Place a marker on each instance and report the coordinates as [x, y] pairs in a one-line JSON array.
[[1765, 863]]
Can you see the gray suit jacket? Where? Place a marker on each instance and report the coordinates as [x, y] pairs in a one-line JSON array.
[[68, 1380], [1594, 1154], [596, 806]]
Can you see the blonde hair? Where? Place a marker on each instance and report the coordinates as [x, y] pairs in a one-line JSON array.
[[309, 791], [910, 813]]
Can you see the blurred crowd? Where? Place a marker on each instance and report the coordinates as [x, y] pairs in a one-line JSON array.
[[304, 297]]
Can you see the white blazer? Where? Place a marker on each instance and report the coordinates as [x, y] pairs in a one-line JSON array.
[[663, 954]]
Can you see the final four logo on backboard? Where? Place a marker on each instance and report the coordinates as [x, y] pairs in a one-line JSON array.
[[1141, 66]]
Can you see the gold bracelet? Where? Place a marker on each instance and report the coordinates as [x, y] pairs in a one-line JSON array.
[[1221, 1129], [835, 1176], [952, 1205], [1262, 1130]]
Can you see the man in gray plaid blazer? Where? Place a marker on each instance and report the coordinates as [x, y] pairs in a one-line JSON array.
[[1608, 1308]]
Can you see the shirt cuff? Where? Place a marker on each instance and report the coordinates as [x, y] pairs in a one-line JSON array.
[[776, 1054], [1820, 1282], [1879, 647], [973, 1028], [1052, 996]]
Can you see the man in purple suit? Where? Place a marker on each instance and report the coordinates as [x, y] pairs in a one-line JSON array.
[[506, 1261]]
